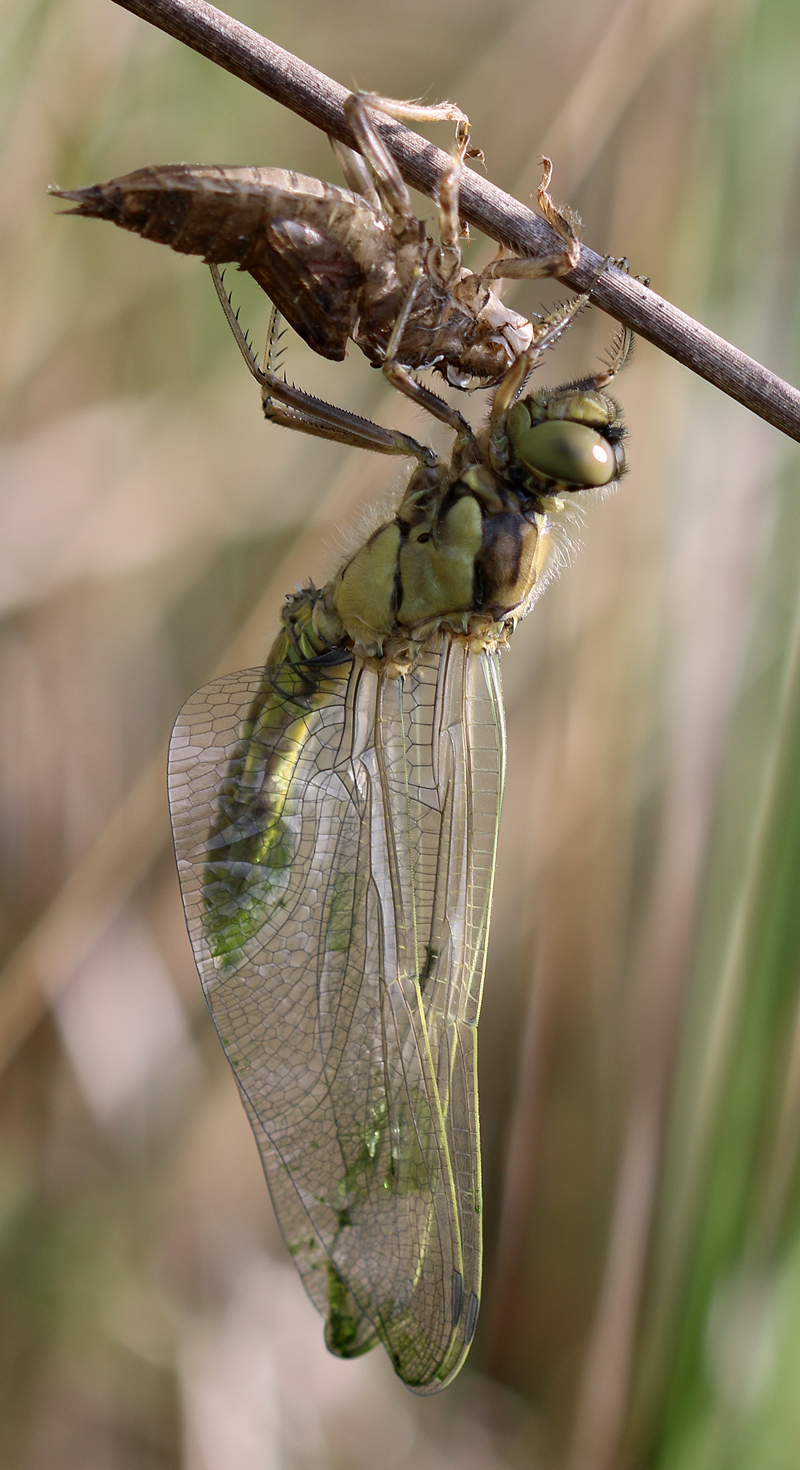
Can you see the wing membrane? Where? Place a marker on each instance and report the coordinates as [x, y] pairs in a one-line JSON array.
[[347, 1000]]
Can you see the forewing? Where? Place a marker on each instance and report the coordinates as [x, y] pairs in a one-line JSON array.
[[348, 1011], [264, 994], [443, 783]]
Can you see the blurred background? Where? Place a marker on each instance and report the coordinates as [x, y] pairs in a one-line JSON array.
[[640, 1039]]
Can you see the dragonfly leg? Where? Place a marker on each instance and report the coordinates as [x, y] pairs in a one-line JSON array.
[[403, 379], [545, 334], [356, 174], [621, 348], [448, 263], [566, 224], [390, 183], [622, 344], [295, 409], [622, 263], [388, 178]]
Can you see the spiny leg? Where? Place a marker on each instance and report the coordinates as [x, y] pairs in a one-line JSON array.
[[545, 334], [298, 410], [403, 379], [622, 344], [621, 348]]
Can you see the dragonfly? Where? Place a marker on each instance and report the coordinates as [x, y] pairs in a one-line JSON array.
[[339, 264], [335, 816]]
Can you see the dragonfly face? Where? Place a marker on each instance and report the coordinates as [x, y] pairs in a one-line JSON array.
[[335, 819]]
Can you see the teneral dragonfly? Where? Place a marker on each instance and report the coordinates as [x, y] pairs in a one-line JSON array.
[[339, 264], [335, 818]]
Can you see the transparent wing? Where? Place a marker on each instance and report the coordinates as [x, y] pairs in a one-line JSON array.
[[336, 867]]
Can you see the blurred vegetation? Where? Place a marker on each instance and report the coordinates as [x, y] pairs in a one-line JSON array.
[[640, 1063]]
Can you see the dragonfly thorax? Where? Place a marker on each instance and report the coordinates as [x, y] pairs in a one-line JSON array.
[[462, 557], [470, 546]]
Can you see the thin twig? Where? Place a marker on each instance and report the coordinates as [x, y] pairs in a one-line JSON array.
[[319, 100]]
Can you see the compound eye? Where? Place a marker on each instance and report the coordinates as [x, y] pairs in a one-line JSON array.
[[571, 453]]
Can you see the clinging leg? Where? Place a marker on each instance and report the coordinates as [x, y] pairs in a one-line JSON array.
[[389, 181], [545, 333], [403, 379], [566, 224], [294, 409]]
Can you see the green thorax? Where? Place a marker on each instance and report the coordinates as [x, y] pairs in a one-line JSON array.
[[470, 546]]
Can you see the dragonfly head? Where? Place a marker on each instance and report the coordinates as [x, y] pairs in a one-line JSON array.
[[560, 439], [569, 437]]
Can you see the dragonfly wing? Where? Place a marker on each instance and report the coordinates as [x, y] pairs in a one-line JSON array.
[[349, 1009], [471, 739], [429, 757], [263, 996]]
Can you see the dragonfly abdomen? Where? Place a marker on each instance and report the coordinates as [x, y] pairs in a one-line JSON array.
[[252, 842]]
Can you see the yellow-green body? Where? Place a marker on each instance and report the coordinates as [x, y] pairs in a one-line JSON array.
[[336, 818]]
